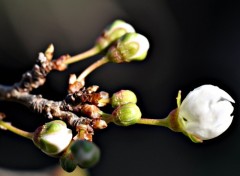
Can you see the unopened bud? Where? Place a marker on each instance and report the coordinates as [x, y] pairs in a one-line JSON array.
[[130, 47], [53, 137], [113, 32], [85, 153], [127, 114], [67, 162], [123, 97]]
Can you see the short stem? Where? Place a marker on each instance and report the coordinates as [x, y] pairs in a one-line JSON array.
[[91, 52], [107, 117], [92, 67], [157, 122], [81, 134], [15, 130]]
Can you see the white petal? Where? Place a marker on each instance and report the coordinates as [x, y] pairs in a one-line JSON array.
[[143, 45], [120, 24], [60, 139]]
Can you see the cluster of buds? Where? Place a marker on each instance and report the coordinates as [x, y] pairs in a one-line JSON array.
[[113, 32], [124, 43], [87, 102], [55, 139], [82, 153], [126, 111]]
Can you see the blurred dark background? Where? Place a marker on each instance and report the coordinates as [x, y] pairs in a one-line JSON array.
[[192, 43]]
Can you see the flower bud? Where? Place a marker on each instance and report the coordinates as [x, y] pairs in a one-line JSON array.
[[114, 31], [67, 162], [52, 137], [123, 97], [206, 112], [85, 153], [127, 114], [130, 47]]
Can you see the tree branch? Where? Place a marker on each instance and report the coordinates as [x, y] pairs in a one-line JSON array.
[[80, 101], [41, 105]]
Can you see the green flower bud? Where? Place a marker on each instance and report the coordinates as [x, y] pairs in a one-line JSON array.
[[113, 32], [130, 47], [85, 153], [123, 97], [67, 162], [52, 137], [127, 114]]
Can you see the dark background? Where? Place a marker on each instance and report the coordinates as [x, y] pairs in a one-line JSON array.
[[192, 43]]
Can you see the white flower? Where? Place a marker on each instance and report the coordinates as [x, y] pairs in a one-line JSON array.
[[206, 112]]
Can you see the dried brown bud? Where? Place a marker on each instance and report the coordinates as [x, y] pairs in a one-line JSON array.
[[84, 132], [2, 116], [99, 124], [99, 99], [92, 89], [76, 86], [59, 64], [49, 52], [91, 111]]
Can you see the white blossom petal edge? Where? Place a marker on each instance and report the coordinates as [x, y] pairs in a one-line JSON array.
[[206, 112]]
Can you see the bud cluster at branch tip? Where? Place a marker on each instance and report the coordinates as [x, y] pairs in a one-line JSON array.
[[110, 34], [125, 112]]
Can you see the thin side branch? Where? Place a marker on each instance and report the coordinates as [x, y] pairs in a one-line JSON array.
[[37, 76]]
